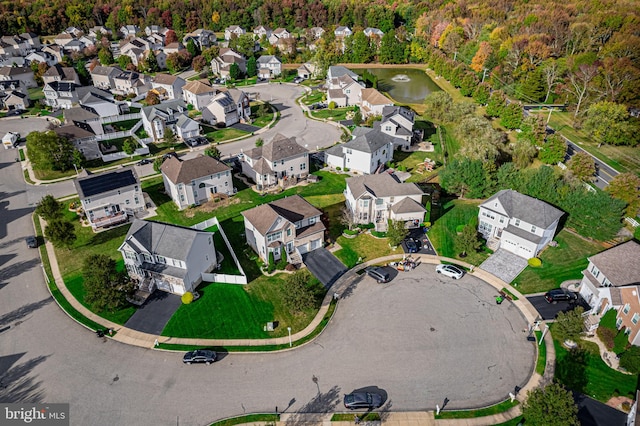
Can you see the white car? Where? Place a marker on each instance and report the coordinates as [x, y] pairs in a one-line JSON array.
[[450, 271]]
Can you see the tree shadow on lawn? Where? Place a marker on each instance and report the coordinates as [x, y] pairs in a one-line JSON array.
[[571, 369]]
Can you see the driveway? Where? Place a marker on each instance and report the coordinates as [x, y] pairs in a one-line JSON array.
[[549, 311], [504, 265], [155, 313], [24, 126], [246, 127], [324, 266], [425, 246]]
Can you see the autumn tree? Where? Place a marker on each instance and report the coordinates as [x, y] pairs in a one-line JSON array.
[[551, 405], [152, 98], [523, 152], [105, 56], [626, 187], [582, 166], [579, 83], [608, 123], [481, 56], [198, 63], [170, 37]]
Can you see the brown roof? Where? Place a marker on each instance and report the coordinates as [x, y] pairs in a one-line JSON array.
[[279, 148], [185, 171], [620, 264], [72, 132], [374, 97], [163, 78], [197, 87], [293, 209]]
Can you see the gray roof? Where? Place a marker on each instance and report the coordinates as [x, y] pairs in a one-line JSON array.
[[620, 264], [391, 110], [102, 70], [279, 148], [408, 205], [151, 111], [104, 182], [370, 141], [163, 239], [293, 209], [381, 185], [185, 171], [78, 114], [335, 150], [339, 70], [525, 208], [524, 234], [359, 131]]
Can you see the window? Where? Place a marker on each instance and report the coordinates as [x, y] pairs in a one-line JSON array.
[[130, 255], [501, 219], [291, 168], [303, 166], [618, 322], [288, 232], [594, 271], [147, 258], [635, 318], [533, 229], [312, 220], [201, 185], [626, 309], [379, 201], [161, 259], [274, 237], [126, 201], [226, 183], [517, 222]]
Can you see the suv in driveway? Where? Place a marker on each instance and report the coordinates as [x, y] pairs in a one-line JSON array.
[[560, 294], [378, 274]]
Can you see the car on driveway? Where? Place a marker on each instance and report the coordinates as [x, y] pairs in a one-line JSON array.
[[450, 271], [170, 154], [378, 274], [298, 80], [560, 294], [367, 400], [144, 161], [199, 356], [412, 245], [31, 241]]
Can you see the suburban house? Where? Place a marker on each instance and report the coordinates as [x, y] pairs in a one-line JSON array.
[[195, 181], [518, 223], [344, 87], [60, 95], [201, 37], [22, 74], [41, 56], [103, 77], [261, 31], [365, 154], [287, 227], [379, 198], [336, 71], [131, 82], [398, 122], [277, 35], [373, 102], [167, 257], [342, 31], [269, 66], [54, 50], [629, 313], [373, 32], [607, 274], [277, 162], [228, 107], [198, 94], [227, 57], [60, 73], [15, 100], [128, 31], [100, 31], [308, 70], [82, 138], [99, 102], [167, 86], [315, 32], [233, 31], [109, 198], [171, 114]]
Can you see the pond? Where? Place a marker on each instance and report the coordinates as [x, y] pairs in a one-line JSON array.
[[404, 85]]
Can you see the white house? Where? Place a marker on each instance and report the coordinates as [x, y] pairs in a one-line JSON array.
[[196, 181], [130, 82], [167, 257], [308, 70], [261, 31], [167, 86], [110, 198], [221, 64], [103, 77], [171, 114], [198, 94], [518, 223], [277, 35], [373, 102], [60, 73], [398, 122], [233, 31], [287, 227], [370, 31], [201, 37], [60, 95], [274, 162], [382, 197], [342, 31], [351, 90], [271, 64], [364, 154]]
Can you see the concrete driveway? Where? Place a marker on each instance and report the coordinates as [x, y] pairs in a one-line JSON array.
[[504, 265]]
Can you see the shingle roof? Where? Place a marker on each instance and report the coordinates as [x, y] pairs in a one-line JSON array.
[[101, 70], [381, 185], [370, 141], [279, 148], [185, 171], [523, 207], [197, 87], [104, 182], [336, 94], [163, 78], [293, 209], [374, 97], [408, 205], [620, 264], [163, 239]]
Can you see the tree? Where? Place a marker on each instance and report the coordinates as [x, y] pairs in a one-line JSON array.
[[169, 135], [532, 87], [234, 71], [357, 117], [391, 49], [396, 232], [105, 56], [259, 142], [626, 187], [582, 166], [151, 62], [464, 177], [173, 62], [170, 37], [198, 63], [497, 103], [300, 291], [347, 217], [60, 232], [48, 151], [129, 146], [157, 163], [608, 123], [361, 51], [124, 61], [523, 152], [554, 150], [552, 405], [580, 83], [511, 116], [212, 152], [484, 51], [569, 325], [105, 287], [467, 241], [152, 98], [49, 208], [192, 48], [252, 67], [551, 71], [630, 360]]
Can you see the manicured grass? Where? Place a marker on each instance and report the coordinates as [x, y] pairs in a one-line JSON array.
[[583, 370], [164, 147], [451, 145], [363, 246], [337, 114], [228, 266], [513, 422], [221, 135], [52, 174], [248, 419], [262, 120], [445, 219], [365, 417], [561, 263], [542, 354], [488, 411], [122, 125], [313, 97], [228, 311], [21, 154], [446, 86]]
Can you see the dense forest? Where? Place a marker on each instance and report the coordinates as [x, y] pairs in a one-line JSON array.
[[575, 51]]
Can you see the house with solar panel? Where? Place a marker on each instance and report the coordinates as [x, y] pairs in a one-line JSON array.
[[110, 198]]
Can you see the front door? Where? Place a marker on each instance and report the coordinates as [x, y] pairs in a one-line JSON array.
[[290, 247]]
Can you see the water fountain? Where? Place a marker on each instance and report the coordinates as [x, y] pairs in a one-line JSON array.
[[401, 78]]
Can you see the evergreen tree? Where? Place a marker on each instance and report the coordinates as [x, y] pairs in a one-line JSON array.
[[252, 67], [192, 48], [511, 116], [532, 87], [497, 103], [151, 62], [554, 150]]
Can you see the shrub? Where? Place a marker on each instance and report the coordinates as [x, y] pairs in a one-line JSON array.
[[338, 168], [620, 342], [350, 232], [282, 263], [346, 169], [271, 266], [534, 262], [608, 320], [368, 226], [332, 105], [607, 336], [630, 360], [460, 228], [187, 298]]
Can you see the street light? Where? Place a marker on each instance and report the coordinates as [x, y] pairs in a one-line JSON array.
[[289, 330]]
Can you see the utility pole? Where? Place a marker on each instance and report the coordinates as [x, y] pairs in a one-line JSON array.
[[484, 74], [455, 55]]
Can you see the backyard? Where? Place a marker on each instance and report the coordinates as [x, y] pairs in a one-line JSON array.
[[561, 263]]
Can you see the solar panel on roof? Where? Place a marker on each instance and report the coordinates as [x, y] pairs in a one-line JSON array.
[[106, 182]]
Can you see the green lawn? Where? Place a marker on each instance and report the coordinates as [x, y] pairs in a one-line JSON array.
[[337, 114], [122, 125], [229, 311], [488, 411], [542, 354], [561, 263], [445, 219], [262, 120], [584, 371], [313, 97], [364, 246], [250, 418], [221, 135]]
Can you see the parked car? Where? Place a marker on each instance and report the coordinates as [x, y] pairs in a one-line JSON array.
[[367, 400], [170, 154], [378, 274], [560, 294], [15, 112], [450, 271], [412, 246], [144, 161], [298, 80], [199, 356], [31, 241]]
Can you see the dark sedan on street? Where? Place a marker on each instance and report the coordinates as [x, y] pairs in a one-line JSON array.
[[367, 400], [199, 356]]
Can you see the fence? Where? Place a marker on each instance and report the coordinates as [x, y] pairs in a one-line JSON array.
[[222, 278], [121, 154], [632, 222], [116, 118]]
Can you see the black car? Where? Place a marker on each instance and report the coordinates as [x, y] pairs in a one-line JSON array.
[[412, 246], [144, 161], [15, 112], [367, 400], [560, 294], [199, 356], [31, 241], [378, 274], [170, 154]]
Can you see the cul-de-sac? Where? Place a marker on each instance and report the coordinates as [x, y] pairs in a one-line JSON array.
[[319, 212]]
